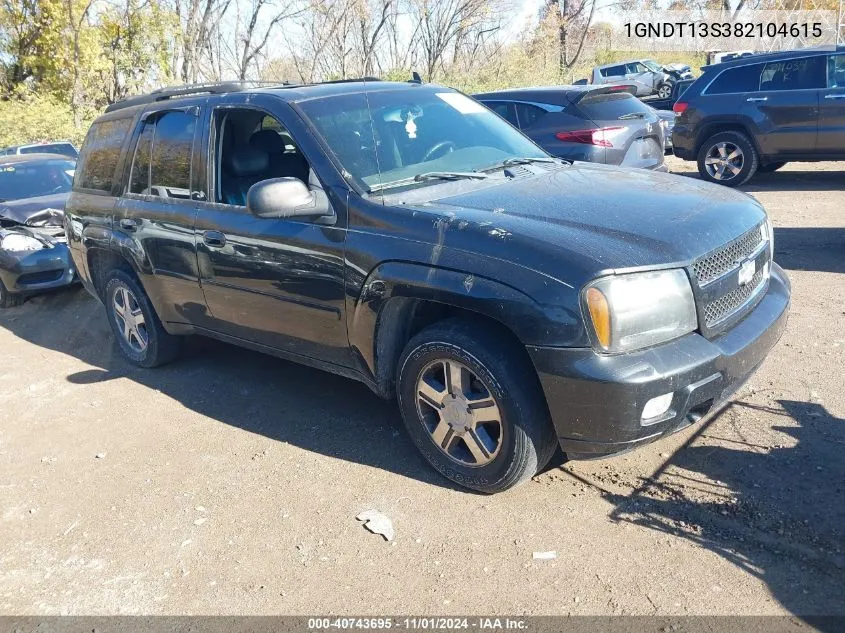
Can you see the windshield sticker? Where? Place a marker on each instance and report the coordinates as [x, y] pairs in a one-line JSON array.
[[461, 103]]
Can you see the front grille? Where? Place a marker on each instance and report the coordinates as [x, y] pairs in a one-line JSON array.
[[726, 258], [729, 303]]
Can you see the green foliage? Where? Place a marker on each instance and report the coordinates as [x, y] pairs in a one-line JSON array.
[[32, 119]]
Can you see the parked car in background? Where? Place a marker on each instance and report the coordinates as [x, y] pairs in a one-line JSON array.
[[759, 112], [667, 120], [33, 251], [405, 236], [65, 148], [598, 124], [678, 89], [649, 77]]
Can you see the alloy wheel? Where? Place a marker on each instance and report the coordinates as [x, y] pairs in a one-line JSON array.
[[664, 91], [130, 319], [459, 412], [724, 161]]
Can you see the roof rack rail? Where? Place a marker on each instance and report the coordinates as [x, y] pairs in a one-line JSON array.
[[216, 88], [172, 92]]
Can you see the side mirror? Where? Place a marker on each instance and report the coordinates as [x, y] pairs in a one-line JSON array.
[[285, 198]]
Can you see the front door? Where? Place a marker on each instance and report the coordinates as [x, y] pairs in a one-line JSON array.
[[786, 106], [832, 108], [275, 282]]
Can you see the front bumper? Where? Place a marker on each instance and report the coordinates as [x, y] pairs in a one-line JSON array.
[[596, 402], [34, 271]]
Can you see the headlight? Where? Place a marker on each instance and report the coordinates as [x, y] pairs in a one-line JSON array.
[[15, 242], [637, 310]]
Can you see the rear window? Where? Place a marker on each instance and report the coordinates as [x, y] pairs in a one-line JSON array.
[[100, 152], [742, 79], [51, 148], [610, 106]]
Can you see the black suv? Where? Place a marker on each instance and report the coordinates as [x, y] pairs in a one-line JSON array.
[[757, 113], [405, 236]]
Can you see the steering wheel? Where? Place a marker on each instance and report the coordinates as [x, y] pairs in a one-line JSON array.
[[438, 147]]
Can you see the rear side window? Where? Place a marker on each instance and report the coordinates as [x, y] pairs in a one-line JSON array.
[[504, 109], [162, 163], [613, 71], [794, 74], [100, 153], [742, 79], [528, 114], [611, 106]]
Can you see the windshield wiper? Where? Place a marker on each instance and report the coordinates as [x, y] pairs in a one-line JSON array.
[[632, 115], [519, 160], [449, 175], [429, 175]]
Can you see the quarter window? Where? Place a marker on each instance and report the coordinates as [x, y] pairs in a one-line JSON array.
[[504, 109], [836, 71], [794, 74], [162, 163], [100, 153]]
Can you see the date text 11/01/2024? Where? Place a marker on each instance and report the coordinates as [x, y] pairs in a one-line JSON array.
[[666, 30], [417, 623]]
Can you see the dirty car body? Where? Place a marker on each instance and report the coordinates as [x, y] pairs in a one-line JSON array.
[[411, 239], [33, 250]]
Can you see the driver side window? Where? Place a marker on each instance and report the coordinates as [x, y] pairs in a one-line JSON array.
[[251, 146]]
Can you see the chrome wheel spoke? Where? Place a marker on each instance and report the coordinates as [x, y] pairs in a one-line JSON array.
[[457, 378], [712, 160], [430, 394], [735, 154], [476, 446], [441, 433], [484, 411]]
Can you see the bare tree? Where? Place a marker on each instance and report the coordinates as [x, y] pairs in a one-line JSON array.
[[251, 37], [76, 19], [199, 19], [574, 18], [372, 19]]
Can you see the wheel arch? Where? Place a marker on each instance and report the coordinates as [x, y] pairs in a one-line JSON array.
[[416, 296], [715, 127]]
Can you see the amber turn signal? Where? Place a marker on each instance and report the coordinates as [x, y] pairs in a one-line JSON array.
[[600, 314]]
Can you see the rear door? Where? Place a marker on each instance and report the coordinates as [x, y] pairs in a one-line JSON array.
[[785, 106], [832, 108], [159, 205], [549, 125]]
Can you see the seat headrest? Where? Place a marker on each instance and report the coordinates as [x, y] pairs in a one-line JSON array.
[[267, 141], [245, 161]]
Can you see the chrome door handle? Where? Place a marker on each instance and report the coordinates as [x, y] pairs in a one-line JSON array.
[[756, 99], [836, 96], [214, 239]]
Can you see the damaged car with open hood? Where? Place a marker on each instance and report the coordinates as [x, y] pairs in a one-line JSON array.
[[33, 249]]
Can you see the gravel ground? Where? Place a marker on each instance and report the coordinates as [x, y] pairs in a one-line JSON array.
[[229, 482]]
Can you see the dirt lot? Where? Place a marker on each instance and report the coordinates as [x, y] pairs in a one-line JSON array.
[[228, 482]]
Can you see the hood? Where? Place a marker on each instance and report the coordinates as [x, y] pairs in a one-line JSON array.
[[590, 218], [23, 210]]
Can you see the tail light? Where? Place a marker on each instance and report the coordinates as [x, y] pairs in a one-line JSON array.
[[601, 137], [680, 107]]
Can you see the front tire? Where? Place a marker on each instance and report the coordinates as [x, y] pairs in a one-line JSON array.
[[135, 324], [728, 158], [664, 91], [473, 406]]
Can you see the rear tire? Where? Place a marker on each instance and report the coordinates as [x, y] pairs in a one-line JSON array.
[[135, 324], [728, 158], [664, 91], [770, 167], [9, 299], [473, 406]]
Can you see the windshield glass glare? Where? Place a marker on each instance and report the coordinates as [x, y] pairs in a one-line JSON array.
[[403, 133], [30, 179]]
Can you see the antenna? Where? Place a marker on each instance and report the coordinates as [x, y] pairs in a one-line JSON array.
[[416, 79]]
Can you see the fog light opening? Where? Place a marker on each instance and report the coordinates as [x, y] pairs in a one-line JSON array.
[[657, 406]]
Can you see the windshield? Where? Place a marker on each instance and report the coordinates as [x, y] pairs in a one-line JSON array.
[[405, 133], [36, 178], [51, 148], [653, 65]]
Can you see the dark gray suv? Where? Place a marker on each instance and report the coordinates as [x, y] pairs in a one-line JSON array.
[[758, 113]]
